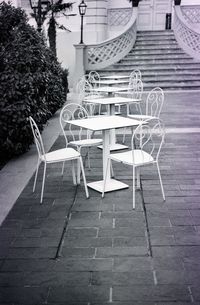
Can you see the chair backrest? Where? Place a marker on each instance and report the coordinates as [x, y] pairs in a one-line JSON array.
[[83, 87], [93, 79], [149, 137], [37, 138], [135, 88], [135, 74], [69, 112], [154, 102]]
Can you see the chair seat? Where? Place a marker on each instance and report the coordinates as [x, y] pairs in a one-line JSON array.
[[140, 116], [61, 155], [140, 157], [87, 142]]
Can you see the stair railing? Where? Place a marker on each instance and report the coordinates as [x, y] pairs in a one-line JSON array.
[[110, 51], [187, 35]]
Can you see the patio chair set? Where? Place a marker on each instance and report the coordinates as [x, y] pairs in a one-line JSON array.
[[79, 122]]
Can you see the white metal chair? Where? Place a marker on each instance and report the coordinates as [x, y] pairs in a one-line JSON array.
[[146, 144], [85, 93], [135, 89], [135, 92], [60, 155], [79, 138], [153, 107]]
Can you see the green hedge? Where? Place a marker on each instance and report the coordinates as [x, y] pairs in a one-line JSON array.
[[31, 81]]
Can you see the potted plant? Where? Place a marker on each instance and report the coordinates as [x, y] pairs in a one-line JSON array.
[[135, 2], [177, 2]]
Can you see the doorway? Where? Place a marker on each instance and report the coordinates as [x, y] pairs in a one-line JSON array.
[[152, 14]]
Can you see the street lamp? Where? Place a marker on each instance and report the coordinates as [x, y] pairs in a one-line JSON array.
[[40, 9], [82, 10]]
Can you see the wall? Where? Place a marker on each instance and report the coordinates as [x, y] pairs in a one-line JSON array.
[[190, 2], [119, 3]]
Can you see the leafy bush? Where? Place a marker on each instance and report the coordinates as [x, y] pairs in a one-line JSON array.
[[31, 81]]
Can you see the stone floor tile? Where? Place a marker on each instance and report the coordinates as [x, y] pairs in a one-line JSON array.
[[79, 294], [82, 232], [122, 232], [167, 263], [122, 251], [77, 252], [55, 279], [132, 263], [137, 277], [84, 264], [23, 295], [151, 293]]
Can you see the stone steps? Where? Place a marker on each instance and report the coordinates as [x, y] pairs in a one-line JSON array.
[[157, 57], [161, 61]]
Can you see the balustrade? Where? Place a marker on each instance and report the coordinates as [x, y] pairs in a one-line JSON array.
[[103, 54], [187, 35]]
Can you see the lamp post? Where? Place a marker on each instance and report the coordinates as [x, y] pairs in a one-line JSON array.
[[82, 10], [40, 9]]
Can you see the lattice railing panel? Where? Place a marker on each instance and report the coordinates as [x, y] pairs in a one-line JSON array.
[[119, 16], [187, 38], [191, 14], [110, 51]]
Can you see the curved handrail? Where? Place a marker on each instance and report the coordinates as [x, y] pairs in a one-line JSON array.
[[187, 37], [108, 52]]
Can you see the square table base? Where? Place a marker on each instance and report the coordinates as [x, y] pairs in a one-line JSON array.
[[111, 185], [115, 147]]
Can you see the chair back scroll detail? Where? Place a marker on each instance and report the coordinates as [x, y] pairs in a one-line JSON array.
[[149, 138], [154, 102], [72, 112]]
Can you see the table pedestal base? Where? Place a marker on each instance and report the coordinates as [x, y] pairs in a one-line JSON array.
[[111, 185], [115, 147]]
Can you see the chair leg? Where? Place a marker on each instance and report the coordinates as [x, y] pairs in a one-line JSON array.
[[161, 184], [78, 168], [73, 173], [43, 181], [63, 166], [127, 109], [36, 174], [112, 171], [133, 187], [138, 178], [140, 108], [84, 179], [124, 135], [89, 158], [105, 177]]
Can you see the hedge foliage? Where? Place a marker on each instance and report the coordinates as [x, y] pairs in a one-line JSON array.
[[31, 81]]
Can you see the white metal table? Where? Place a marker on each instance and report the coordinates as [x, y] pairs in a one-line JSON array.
[[110, 89], [110, 82], [105, 124], [115, 76], [111, 102]]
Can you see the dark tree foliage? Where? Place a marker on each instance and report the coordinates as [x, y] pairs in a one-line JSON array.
[[30, 81]]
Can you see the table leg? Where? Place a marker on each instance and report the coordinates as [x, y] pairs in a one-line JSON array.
[[113, 144], [111, 184]]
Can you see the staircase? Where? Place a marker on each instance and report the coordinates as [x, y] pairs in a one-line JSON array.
[[161, 61]]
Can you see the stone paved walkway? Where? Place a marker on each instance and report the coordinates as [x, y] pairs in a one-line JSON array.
[[76, 251]]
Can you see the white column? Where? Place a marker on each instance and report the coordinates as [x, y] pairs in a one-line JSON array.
[[79, 70], [96, 20]]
